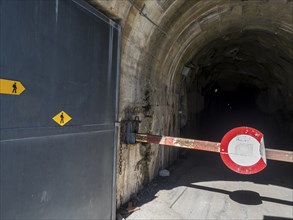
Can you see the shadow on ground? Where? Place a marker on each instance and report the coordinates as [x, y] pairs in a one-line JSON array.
[[198, 166]]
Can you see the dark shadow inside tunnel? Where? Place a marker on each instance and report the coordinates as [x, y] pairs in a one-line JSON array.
[[241, 79]]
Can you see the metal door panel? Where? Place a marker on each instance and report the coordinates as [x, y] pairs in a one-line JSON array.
[[70, 56], [66, 55], [57, 177]]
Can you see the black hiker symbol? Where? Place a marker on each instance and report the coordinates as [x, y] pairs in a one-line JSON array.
[[61, 118], [14, 88]]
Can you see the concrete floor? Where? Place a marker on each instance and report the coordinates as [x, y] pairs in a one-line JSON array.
[[202, 187]]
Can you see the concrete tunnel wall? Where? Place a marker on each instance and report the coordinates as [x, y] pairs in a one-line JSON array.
[[153, 58]]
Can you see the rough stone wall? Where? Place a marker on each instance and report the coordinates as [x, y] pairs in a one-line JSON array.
[[141, 162], [152, 59]]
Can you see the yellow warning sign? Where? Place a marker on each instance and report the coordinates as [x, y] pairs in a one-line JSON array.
[[11, 87], [61, 118]]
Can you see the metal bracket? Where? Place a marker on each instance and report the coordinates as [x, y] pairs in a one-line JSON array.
[[128, 130]]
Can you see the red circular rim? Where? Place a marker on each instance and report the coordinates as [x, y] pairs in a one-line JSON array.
[[257, 167]]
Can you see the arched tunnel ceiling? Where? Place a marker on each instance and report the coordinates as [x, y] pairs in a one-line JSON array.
[[231, 42], [259, 58], [227, 41], [192, 24], [245, 78], [184, 27]]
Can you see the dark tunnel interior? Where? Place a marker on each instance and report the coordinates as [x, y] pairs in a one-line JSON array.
[[240, 79]]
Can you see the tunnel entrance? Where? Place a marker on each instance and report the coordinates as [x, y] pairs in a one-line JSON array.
[[241, 79]]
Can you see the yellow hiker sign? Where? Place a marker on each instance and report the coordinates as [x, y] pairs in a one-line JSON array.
[[61, 118], [11, 87]]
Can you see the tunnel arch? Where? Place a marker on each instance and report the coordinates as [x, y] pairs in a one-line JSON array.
[[154, 57], [243, 79], [167, 54], [200, 24], [189, 32]]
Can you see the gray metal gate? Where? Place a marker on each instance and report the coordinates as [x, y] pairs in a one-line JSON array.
[[66, 55]]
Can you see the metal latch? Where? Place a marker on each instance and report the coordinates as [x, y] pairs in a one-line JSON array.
[[128, 130]]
